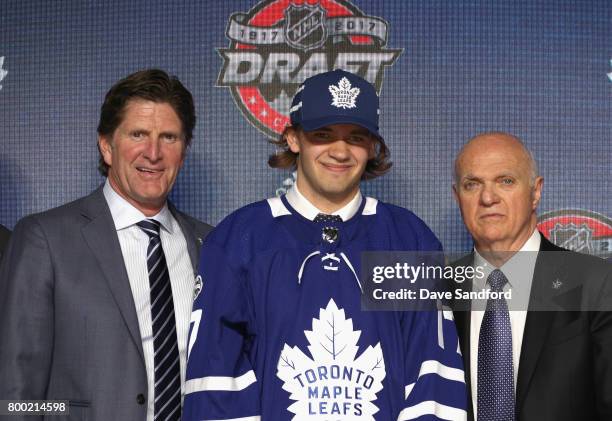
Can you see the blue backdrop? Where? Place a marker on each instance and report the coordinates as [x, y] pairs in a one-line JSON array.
[[446, 70]]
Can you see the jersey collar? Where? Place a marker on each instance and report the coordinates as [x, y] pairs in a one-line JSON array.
[[309, 211]]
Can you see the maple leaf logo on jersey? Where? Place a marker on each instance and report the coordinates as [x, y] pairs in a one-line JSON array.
[[343, 95], [333, 383]]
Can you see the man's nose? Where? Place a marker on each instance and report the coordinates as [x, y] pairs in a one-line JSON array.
[[339, 150], [489, 195], [153, 149]]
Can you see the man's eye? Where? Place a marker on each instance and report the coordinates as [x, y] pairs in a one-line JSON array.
[[137, 135], [507, 181], [469, 185], [321, 135], [170, 138], [358, 140]]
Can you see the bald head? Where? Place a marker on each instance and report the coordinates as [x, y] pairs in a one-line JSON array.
[[500, 141], [498, 190]]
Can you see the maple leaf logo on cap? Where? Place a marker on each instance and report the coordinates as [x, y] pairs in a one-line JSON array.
[[344, 96]]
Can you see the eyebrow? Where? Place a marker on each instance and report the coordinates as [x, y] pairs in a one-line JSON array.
[[473, 177], [362, 132], [470, 177], [170, 132], [358, 131]]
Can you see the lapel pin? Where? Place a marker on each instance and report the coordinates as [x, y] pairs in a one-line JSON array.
[[197, 287], [557, 284]]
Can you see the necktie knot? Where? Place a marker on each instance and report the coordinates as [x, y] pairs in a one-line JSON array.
[[497, 280], [323, 217], [150, 227]]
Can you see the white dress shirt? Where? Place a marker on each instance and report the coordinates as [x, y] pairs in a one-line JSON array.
[[134, 243], [309, 211], [519, 272]]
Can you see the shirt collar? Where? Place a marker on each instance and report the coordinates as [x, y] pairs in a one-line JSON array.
[[309, 211], [125, 214], [518, 267]]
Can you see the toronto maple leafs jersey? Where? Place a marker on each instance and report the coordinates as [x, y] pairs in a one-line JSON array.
[[278, 332]]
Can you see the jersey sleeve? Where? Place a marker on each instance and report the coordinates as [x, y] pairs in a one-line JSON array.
[[221, 383], [435, 381]]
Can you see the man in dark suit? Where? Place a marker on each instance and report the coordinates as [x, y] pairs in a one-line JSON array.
[[95, 296], [553, 362], [5, 234]]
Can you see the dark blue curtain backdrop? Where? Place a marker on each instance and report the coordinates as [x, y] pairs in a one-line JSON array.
[[446, 70]]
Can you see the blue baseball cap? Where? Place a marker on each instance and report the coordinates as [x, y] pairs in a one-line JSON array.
[[335, 97]]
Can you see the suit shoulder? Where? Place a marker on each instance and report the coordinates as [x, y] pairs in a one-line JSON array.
[[39, 228], [62, 214], [586, 264], [4, 234]]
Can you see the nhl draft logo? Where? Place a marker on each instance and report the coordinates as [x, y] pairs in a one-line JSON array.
[[583, 231], [278, 44], [333, 384]]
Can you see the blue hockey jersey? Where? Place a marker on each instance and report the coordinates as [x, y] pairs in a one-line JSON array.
[[278, 332]]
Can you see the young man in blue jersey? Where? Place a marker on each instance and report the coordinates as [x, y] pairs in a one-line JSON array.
[[278, 332]]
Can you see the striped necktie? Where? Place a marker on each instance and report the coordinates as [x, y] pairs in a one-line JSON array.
[[495, 368], [167, 372]]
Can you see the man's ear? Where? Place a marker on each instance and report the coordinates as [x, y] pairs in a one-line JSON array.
[[293, 141], [106, 149], [537, 192], [455, 192], [372, 149]]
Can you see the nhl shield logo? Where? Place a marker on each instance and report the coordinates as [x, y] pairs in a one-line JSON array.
[[572, 237], [579, 230], [305, 27]]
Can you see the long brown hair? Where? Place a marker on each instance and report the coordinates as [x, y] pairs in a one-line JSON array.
[[284, 158]]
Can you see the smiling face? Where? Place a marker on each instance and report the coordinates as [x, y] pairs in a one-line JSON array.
[[496, 192], [145, 154], [330, 163]]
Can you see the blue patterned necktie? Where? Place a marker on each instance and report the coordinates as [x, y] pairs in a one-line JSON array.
[[167, 372], [495, 368]]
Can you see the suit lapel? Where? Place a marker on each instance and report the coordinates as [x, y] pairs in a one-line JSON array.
[[193, 237], [101, 237], [538, 323]]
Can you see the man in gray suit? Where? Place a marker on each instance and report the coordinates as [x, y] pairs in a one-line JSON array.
[[95, 295]]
